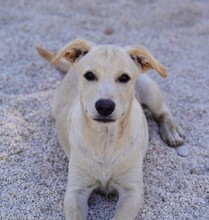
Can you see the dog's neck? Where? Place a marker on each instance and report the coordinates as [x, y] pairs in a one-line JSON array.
[[106, 142], [105, 138]]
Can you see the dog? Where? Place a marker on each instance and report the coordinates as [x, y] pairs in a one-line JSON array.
[[101, 125]]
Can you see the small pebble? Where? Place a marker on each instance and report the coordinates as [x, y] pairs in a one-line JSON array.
[[182, 151], [109, 31]]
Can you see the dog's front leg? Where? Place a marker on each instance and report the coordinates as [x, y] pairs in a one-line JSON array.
[[75, 208], [78, 191], [130, 202]]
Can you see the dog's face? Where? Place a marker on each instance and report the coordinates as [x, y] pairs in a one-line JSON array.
[[107, 76]]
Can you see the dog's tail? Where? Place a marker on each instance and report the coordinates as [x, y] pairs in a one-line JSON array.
[[61, 65]]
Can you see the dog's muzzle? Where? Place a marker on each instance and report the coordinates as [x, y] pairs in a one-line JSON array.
[[105, 108]]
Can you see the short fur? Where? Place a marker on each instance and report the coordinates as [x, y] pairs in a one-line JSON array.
[[107, 155]]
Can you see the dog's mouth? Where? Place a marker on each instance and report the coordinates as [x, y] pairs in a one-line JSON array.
[[104, 120]]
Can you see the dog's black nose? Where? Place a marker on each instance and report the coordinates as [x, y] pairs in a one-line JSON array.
[[105, 107]]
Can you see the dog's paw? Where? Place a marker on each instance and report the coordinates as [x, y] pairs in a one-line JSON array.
[[171, 132]]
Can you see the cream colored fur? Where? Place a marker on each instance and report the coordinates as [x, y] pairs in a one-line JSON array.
[[107, 155]]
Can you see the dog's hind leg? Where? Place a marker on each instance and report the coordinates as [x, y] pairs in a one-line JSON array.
[[149, 94]]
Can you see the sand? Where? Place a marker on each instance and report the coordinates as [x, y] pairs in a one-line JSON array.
[[33, 167]]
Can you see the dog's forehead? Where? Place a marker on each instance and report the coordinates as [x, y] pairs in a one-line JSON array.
[[108, 58], [108, 52]]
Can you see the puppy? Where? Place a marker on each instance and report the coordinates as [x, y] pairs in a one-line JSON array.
[[101, 125]]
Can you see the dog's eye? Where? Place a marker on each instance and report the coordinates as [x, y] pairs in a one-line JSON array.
[[90, 76], [124, 78]]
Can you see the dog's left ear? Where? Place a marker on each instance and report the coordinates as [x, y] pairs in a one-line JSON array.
[[145, 60], [73, 51]]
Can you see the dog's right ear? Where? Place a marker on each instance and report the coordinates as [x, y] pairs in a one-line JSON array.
[[73, 51]]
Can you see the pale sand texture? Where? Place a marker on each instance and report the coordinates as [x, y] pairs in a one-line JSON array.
[[33, 168]]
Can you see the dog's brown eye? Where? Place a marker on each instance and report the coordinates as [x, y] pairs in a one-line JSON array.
[[90, 76], [124, 78]]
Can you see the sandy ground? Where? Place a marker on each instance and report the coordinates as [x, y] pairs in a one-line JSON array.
[[33, 168]]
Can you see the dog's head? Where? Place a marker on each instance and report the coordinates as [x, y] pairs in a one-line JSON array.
[[107, 76]]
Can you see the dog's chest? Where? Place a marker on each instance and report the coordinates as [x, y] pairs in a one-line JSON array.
[[105, 175], [101, 158], [110, 162], [105, 154]]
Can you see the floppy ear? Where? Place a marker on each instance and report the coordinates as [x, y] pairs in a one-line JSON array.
[[73, 51], [143, 58]]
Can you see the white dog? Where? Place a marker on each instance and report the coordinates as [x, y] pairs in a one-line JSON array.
[[101, 125]]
